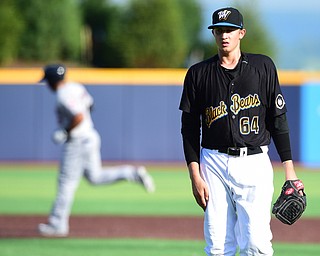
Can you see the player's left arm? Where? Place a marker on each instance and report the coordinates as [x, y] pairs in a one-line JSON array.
[[292, 200], [281, 138]]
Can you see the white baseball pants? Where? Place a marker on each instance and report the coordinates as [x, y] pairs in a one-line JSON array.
[[81, 157], [240, 196]]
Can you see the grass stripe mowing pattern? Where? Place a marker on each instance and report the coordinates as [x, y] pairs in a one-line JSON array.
[[31, 190], [127, 247]]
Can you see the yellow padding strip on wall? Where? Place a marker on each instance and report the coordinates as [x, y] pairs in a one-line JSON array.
[[100, 76], [141, 77]]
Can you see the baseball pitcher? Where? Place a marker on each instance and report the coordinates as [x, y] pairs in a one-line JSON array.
[[235, 100]]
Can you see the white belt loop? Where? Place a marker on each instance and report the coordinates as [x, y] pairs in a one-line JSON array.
[[243, 151]]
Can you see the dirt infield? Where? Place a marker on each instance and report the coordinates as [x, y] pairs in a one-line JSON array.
[[304, 231]]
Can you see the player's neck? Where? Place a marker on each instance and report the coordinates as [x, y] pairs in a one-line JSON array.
[[229, 60], [60, 84]]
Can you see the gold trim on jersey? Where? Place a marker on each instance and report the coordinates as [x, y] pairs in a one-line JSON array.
[[212, 114], [239, 103]]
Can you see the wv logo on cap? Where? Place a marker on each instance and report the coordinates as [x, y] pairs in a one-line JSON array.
[[223, 15], [60, 71]]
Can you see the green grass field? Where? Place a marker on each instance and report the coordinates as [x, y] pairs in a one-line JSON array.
[[125, 247], [30, 189]]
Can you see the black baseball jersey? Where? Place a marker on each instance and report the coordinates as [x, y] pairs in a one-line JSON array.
[[236, 110]]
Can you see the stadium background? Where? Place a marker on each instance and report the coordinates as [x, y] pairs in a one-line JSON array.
[[136, 113]]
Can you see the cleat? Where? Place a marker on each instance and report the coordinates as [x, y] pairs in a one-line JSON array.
[[145, 179], [48, 230]]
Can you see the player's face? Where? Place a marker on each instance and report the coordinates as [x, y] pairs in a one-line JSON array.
[[228, 38]]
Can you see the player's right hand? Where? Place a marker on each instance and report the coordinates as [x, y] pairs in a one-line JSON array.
[[200, 192]]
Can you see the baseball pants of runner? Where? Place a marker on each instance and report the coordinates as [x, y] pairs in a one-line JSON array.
[[238, 211], [81, 157]]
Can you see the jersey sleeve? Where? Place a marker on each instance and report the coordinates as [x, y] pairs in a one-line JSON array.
[[190, 120], [73, 99], [77, 99], [188, 98], [277, 105], [277, 113]]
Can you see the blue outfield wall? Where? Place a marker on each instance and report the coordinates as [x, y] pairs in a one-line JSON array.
[[310, 124], [140, 123], [136, 114], [136, 123]]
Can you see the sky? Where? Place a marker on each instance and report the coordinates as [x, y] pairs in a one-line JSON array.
[[293, 25]]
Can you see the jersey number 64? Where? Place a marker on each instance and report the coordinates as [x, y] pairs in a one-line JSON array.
[[247, 126]]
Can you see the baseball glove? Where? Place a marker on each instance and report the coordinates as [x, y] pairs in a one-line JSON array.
[[291, 204]]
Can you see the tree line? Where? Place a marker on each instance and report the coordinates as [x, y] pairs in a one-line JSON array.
[[103, 33]]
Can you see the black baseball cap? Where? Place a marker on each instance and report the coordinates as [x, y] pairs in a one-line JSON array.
[[227, 17], [54, 73]]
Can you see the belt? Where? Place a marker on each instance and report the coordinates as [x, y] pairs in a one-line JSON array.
[[245, 151]]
